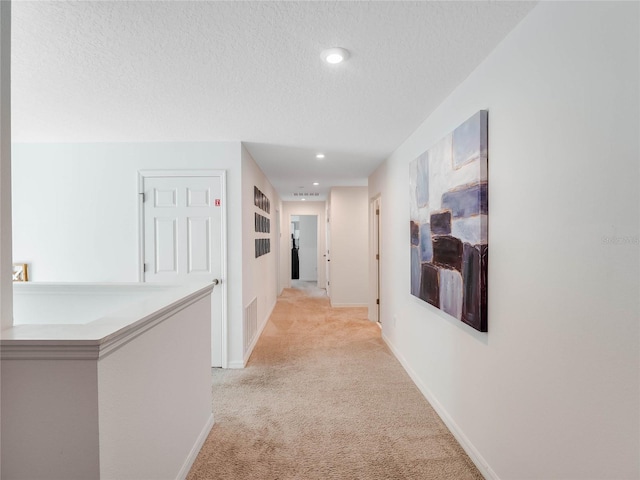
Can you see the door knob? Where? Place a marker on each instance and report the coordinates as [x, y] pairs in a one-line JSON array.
[[216, 281]]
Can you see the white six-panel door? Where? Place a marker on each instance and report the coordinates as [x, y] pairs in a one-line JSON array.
[[183, 236]]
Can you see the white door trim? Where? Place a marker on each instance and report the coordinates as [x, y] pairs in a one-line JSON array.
[[142, 175], [277, 252], [375, 266]]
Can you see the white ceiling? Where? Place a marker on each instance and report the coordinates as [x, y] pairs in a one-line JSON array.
[[250, 71]]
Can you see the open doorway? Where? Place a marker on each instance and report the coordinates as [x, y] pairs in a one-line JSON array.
[[304, 250]]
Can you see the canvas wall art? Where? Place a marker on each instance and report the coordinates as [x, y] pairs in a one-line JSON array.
[[262, 224], [263, 246], [260, 200], [448, 223]]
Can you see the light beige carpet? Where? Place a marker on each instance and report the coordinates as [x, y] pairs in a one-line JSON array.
[[323, 398]]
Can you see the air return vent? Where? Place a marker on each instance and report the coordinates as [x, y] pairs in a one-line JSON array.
[[312, 194], [250, 323]]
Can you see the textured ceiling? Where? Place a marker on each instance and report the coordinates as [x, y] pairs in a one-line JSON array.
[[250, 71]]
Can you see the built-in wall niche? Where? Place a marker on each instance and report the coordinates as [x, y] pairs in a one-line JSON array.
[[260, 200], [263, 246], [262, 224]]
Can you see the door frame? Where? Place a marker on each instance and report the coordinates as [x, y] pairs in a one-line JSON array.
[[302, 208], [375, 257], [327, 254], [142, 175], [319, 254], [277, 252]]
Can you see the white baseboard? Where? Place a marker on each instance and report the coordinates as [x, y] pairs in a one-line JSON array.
[[236, 364], [479, 461], [188, 463]]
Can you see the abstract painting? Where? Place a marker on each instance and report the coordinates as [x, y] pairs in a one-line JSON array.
[[449, 209]]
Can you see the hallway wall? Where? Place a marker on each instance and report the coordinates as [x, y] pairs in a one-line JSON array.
[[75, 206], [75, 213], [349, 218], [259, 275], [552, 390]]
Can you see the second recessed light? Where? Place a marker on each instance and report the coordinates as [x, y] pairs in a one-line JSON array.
[[320, 155], [335, 55]]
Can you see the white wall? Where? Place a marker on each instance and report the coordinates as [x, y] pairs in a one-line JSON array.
[[349, 220], [552, 390], [259, 274], [50, 397], [75, 211], [301, 208], [85, 200], [154, 396], [308, 252], [75, 304], [127, 396]]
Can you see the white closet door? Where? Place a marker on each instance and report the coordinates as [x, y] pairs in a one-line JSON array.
[[183, 237]]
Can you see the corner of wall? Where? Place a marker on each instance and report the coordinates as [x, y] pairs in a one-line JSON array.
[[6, 258]]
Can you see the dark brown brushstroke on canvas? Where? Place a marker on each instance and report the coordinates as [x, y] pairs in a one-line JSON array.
[[474, 275], [429, 286], [447, 252]]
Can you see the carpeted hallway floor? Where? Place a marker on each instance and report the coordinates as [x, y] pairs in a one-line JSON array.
[[323, 398]]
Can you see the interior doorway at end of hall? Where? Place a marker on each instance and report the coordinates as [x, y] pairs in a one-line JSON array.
[[304, 249]]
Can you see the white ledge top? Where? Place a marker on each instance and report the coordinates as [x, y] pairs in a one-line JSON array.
[[99, 337]]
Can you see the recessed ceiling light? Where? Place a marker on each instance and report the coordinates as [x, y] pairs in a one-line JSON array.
[[320, 155], [315, 184], [302, 199], [334, 55]]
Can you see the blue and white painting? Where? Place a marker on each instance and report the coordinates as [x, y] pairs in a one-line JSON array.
[[449, 209]]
